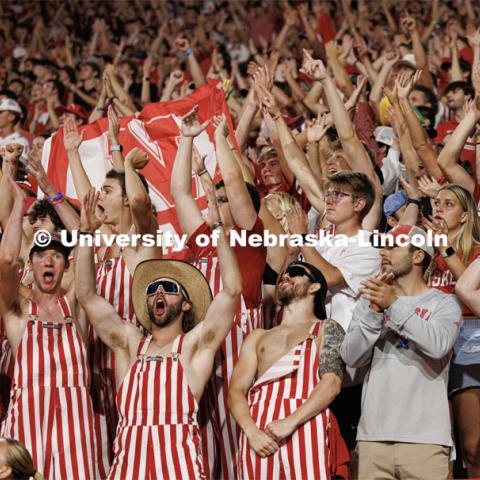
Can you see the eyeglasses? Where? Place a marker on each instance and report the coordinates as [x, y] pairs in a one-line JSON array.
[[168, 286], [335, 195], [299, 271], [222, 199]]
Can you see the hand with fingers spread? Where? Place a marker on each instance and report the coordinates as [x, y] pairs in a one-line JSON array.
[[113, 125], [280, 430], [297, 220], [71, 137], [89, 221], [191, 127], [409, 189], [474, 38], [391, 94], [379, 291], [428, 186], [405, 83], [262, 444], [316, 130]]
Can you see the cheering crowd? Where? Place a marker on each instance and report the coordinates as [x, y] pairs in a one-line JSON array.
[[327, 361]]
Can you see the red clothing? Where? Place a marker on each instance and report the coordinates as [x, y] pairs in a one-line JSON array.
[[442, 278]]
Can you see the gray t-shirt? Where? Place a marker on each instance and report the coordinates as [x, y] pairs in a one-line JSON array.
[[408, 347]]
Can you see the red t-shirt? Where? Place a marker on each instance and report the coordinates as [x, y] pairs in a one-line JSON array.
[[442, 278], [251, 261]]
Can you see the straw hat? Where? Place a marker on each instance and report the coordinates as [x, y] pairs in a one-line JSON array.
[[191, 279]]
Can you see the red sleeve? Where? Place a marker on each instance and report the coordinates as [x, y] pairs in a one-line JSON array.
[[192, 241], [325, 28]]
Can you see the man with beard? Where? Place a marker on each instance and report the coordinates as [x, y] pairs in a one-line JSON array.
[[285, 380], [405, 332], [51, 411], [162, 375]]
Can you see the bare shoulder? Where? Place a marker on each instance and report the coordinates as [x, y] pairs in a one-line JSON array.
[[133, 335], [330, 359]]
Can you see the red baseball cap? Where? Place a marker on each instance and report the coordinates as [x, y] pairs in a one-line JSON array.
[[74, 108]]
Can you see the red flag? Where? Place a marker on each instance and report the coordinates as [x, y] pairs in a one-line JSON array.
[[156, 131]]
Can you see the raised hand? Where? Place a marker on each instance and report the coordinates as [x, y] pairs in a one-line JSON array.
[[175, 78], [297, 220], [71, 137], [182, 44], [316, 130], [221, 126], [268, 100], [11, 152], [191, 127], [137, 158], [429, 186], [408, 23], [198, 160], [113, 124], [313, 68], [89, 221], [405, 83]]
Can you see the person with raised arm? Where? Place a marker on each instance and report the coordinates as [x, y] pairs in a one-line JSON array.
[[162, 375]]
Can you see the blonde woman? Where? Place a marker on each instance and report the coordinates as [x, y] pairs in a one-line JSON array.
[[16, 462], [455, 214], [278, 204]]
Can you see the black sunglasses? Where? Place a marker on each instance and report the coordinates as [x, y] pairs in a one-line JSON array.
[[299, 271]]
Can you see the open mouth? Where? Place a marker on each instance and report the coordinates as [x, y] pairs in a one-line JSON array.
[[159, 306], [48, 277]]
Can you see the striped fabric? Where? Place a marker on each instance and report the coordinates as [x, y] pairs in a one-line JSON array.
[[282, 389], [158, 434], [51, 410]]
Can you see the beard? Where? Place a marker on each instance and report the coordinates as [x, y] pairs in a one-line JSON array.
[[286, 297], [171, 313], [399, 270]]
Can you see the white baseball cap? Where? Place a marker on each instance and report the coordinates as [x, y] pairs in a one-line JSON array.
[[384, 135], [10, 105]]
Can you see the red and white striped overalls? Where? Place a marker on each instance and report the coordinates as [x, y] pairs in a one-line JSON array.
[[157, 435], [219, 429], [281, 390], [114, 283], [51, 410]]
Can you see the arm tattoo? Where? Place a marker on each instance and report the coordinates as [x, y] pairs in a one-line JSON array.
[[330, 359]]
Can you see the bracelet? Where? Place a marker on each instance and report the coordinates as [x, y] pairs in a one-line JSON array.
[[187, 53], [116, 148], [202, 172], [415, 202], [100, 109], [216, 225], [57, 199]]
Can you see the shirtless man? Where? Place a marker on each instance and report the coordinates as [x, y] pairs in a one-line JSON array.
[[285, 380]]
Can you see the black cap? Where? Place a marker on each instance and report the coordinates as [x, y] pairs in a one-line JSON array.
[[319, 305], [54, 244]]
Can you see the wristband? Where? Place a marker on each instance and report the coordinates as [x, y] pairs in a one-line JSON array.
[[186, 54], [216, 225], [57, 199], [448, 252], [415, 202], [116, 148]]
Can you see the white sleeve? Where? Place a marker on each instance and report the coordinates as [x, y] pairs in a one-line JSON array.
[[391, 171]]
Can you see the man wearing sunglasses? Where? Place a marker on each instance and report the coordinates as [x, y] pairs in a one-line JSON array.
[[285, 380], [162, 375]]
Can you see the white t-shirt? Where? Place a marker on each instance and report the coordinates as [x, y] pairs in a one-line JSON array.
[[357, 260], [15, 137]]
